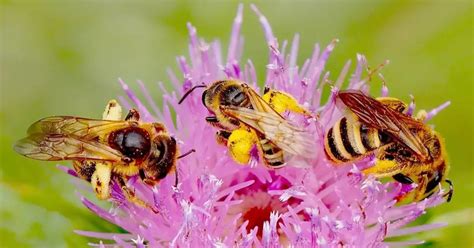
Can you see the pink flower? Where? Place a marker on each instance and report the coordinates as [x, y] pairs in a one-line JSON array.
[[219, 203]]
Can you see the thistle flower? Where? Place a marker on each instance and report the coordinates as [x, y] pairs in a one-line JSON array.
[[219, 203]]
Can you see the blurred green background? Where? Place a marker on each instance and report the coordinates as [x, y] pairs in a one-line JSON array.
[[64, 57]]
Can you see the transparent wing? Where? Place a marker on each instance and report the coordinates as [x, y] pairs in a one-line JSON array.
[[69, 138], [80, 127], [258, 103], [288, 137], [54, 147], [376, 115]]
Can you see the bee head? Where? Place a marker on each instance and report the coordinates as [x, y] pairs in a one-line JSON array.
[[161, 160], [133, 142], [436, 178], [433, 182], [203, 98], [225, 93], [233, 94]]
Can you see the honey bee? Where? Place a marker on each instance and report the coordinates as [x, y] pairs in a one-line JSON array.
[[246, 121], [104, 150], [405, 148]]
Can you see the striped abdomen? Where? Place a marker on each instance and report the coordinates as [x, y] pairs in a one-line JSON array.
[[272, 154], [349, 139]]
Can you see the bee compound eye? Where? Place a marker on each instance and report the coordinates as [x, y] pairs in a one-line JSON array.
[[238, 98], [383, 137], [203, 97], [434, 181]]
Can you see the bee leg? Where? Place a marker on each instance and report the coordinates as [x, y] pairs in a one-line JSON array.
[[281, 102], [240, 144], [100, 180], [213, 121], [133, 115], [222, 136], [449, 194], [84, 169], [402, 178], [131, 197], [421, 189], [176, 168], [176, 181], [266, 90], [113, 111], [383, 168], [99, 174]]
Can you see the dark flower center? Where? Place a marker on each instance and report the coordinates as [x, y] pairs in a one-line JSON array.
[[257, 204]]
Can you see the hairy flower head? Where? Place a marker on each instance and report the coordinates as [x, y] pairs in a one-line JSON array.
[[219, 203]]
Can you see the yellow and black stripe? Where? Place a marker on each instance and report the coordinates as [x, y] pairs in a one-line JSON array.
[[272, 155], [349, 139]]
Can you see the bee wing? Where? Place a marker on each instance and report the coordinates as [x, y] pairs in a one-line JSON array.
[[69, 138], [83, 128], [258, 103], [376, 115], [288, 137], [54, 147]]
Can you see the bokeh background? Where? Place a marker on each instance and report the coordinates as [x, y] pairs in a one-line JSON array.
[[64, 57]]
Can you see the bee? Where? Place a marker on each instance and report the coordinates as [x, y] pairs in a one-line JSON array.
[[405, 148], [104, 150], [248, 122]]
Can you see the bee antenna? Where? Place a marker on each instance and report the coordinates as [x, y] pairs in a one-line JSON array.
[[176, 173], [451, 190], [176, 181], [187, 153], [191, 90]]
